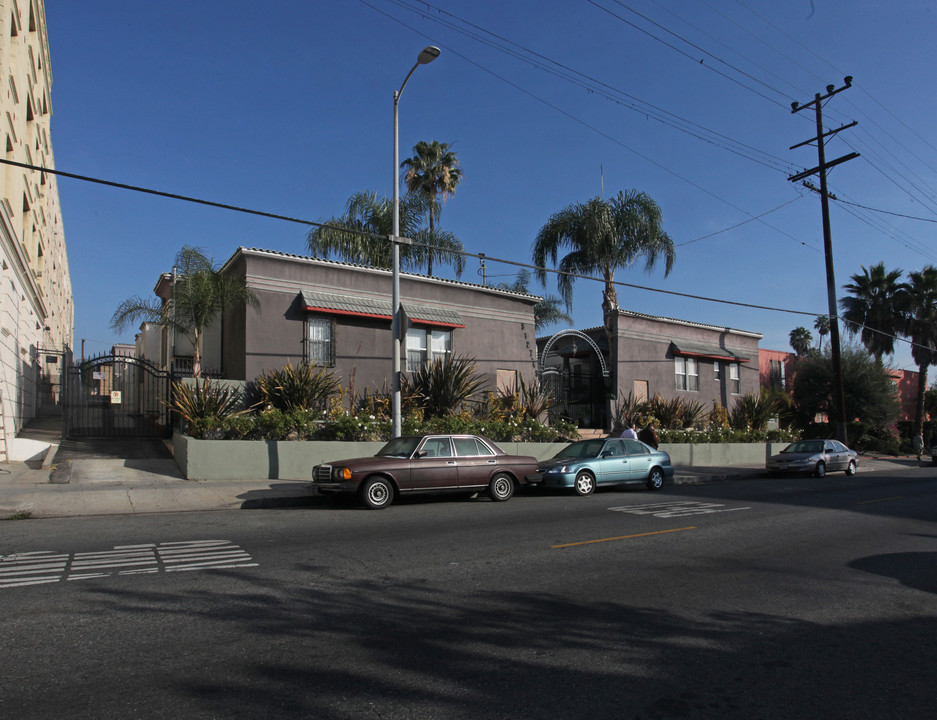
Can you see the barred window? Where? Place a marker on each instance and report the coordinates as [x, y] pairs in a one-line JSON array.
[[320, 348]]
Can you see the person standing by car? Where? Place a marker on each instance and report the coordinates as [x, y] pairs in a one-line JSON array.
[[630, 432], [649, 436], [918, 443]]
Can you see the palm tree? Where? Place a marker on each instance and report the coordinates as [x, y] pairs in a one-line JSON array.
[[800, 340], [360, 235], [603, 236], [548, 311], [201, 293], [917, 301], [871, 311], [822, 326], [433, 171]]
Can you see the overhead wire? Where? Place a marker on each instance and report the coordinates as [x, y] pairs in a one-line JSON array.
[[465, 253], [584, 123]]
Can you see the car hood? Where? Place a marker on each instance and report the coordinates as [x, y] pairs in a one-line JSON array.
[[365, 463], [793, 457], [557, 462]]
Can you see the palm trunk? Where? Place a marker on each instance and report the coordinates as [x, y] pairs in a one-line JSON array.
[[429, 255], [919, 408]]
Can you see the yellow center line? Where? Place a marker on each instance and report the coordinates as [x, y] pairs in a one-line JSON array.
[[866, 502], [621, 537]]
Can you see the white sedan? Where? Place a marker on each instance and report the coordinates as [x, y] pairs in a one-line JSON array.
[[814, 456]]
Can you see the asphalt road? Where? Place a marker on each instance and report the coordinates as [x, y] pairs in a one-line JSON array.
[[790, 598]]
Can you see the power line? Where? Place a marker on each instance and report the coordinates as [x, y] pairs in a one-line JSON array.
[[486, 256]]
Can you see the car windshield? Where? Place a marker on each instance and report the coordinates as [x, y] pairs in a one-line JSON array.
[[399, 447], [583, 449], [805, 446]]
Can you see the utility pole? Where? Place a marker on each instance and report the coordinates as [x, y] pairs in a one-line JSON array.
[[839, 397]]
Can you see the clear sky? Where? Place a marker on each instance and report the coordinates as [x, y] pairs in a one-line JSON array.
[[286, 107]]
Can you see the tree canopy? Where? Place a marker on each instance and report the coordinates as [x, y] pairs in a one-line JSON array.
[[602, 236], [361, 235], [201, 293]]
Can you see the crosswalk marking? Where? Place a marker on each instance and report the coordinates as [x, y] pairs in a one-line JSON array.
[[675, 508], [44, 567]]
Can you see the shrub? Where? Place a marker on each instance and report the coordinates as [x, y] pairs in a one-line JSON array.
[[306, 387], [442, 386], [203, 405]]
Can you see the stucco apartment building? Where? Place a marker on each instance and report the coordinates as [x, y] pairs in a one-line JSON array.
[[36, 302], [338, 315], [646, 356]]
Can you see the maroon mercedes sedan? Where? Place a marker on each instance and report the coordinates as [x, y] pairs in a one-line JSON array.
[[428, 464]]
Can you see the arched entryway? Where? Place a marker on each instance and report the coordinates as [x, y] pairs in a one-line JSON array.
[[574, 368]]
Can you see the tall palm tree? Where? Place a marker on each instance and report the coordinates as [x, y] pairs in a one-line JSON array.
[[360, 235], [800, 340], [822, 326], [871, 311], [917, 300], [201, 293], [603, 236], [433, 171]]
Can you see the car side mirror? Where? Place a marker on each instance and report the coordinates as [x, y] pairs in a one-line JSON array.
[[422, 454], [608, 453]]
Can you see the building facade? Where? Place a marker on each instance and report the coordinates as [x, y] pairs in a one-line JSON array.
[[338, 315], [646, 356], [36, 301]]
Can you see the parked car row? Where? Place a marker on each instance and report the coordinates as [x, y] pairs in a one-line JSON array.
[[472, 464], [469, 463]]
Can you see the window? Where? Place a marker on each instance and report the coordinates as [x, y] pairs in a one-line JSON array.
[[735, 383], [319, 345], [776, 373], [470, 447], [717, 370], [686, 373], [426, 345]]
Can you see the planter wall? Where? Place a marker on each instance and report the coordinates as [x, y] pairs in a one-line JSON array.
[[291, 460]]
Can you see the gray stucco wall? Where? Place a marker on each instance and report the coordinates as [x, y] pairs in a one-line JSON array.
[[252, 459], [644, 352], [498, 332]]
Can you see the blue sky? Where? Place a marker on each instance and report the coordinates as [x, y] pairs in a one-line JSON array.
[[286, 107]]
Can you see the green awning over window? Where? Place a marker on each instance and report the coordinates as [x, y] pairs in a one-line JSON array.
[[336, 304], [706, 351]]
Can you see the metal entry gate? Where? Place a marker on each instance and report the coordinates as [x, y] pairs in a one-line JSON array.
[[116, 396]]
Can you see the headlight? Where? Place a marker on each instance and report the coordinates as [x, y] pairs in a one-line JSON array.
[[557, 469], [342, 473]]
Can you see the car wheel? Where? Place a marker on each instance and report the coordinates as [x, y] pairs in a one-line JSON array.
[[501, 487], [377, 493], [585, 483], [820, 470], [851, 468], [655, 481]]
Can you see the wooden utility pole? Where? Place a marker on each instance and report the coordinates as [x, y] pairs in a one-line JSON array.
[[839, 397]]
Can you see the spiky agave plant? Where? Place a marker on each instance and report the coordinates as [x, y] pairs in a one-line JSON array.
[[442, 386], [306, 387], [202, 403]]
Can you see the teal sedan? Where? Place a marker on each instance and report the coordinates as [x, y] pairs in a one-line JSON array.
[[587, 464]]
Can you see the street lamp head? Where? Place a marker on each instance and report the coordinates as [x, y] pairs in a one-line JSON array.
[[427, 55]]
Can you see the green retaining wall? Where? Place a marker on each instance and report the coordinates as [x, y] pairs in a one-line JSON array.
[[292, 460]]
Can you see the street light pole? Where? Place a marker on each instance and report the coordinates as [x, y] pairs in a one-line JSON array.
[[427, 55]]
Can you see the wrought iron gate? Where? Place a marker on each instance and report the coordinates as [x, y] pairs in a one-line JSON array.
[[116, 396]]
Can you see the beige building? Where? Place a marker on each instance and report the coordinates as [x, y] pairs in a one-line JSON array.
[[36, 302]]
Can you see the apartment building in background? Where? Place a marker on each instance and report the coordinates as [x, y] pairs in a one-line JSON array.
[[36, 301]]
